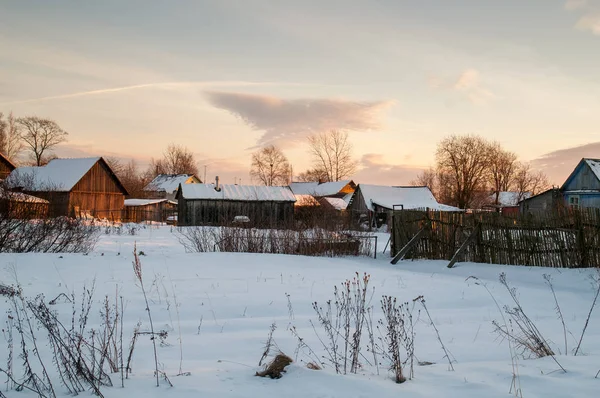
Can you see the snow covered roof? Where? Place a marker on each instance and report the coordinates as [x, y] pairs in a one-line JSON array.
[[58, 175], [337, 203], [144, 202], [316, 189], [20, 197], [507, 198], [168, 182], [237, 192], [594, 165], [408, 197]]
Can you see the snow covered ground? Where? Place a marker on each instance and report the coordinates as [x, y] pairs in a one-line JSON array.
[[227, 302]]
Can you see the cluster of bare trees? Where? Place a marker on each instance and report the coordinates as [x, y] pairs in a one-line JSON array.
[[36, 135], [176, 159], [469, 169], [331, 154]]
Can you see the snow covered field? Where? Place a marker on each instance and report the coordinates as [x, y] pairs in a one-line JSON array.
[[227, 302]]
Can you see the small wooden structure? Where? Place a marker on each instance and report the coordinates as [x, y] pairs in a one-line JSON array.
[[140, 210], [17, 205], [164, 186], [373, 204], [78, 187], [6, 167], [214, 204]]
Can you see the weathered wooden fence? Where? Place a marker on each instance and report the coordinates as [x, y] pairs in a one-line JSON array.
[[564, 238]]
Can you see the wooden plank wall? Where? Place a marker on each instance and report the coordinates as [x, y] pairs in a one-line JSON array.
[[223, 212], [151, 212], [98, 194], [563, 238]]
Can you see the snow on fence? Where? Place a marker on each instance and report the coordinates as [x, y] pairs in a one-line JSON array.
[[564, 238]]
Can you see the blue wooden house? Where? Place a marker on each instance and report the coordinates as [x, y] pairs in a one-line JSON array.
[[582, 188]]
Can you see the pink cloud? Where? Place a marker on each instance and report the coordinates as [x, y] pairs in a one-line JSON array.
[[287, 121]]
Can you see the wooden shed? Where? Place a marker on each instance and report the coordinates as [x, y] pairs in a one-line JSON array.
[[6, 167], [21, 206], [140, 210], [80, 187], [373, 204], [210, 204]]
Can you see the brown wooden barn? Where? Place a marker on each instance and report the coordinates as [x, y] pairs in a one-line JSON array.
[[6, 167], [81, 187], [140, 210]]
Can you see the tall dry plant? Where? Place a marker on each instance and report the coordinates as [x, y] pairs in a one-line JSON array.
[[137, 270]]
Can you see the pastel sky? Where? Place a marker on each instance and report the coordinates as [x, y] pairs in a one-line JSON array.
[[224, 77]]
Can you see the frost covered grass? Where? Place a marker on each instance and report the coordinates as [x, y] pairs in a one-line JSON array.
[[216, 310]]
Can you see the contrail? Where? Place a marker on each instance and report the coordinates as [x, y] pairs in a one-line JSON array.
[[139, 86]]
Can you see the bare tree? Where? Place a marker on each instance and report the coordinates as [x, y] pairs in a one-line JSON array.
[[3, 128], [40, 136], [10, 140], [177, 159], [528, 181], [313, 175], [115, 165], [332, 153], [503, 166], [132, 179], [270, 166], [464, 161], [427, 178]]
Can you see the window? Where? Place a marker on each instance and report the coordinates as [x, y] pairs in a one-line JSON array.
[[574, 202]]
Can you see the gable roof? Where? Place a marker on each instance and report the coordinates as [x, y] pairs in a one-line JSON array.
[[168, 182], [59, 175], [236, 192], [408, 197], [3, 159], [316, 189], [593, 164]]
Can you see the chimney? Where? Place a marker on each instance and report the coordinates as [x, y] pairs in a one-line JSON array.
[[217, 187]]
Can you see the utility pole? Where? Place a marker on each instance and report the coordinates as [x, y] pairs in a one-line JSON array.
[[204, 181]]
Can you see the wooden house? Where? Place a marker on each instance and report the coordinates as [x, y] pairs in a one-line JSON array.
[[214, 204], [140, 210], [580, 190], [582, 187], [81, 187], [6, 167], [373, 204], [164, 186]]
